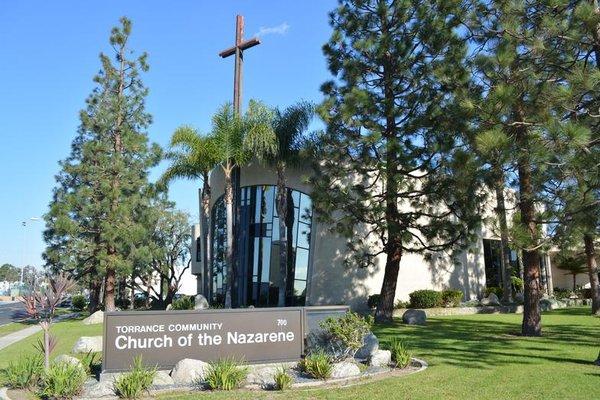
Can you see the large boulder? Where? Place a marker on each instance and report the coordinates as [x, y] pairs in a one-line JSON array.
[[263, 375], [491, 300], [66, 359], [380, 358], [344, 369], [162, 378], [371, 345], [519, 298], [548, 304], [95, 318], [94, 389], [414, 317], [85, 344], [200, 302], [189, 372]]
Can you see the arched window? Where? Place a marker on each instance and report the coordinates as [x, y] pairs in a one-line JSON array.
[[257, 277]]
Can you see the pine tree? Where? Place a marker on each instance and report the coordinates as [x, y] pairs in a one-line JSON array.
[[519, 69], [392, 176], [93, 226], [576, 171]]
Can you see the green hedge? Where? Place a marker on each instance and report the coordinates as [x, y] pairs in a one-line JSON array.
[[451, 297], [425, 299]]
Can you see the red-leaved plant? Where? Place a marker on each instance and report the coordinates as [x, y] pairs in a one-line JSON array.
[[41, 306]]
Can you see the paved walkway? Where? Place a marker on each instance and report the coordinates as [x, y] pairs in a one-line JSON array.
[[14, 337]]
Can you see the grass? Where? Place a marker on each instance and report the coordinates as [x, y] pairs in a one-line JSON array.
[[474, 356]]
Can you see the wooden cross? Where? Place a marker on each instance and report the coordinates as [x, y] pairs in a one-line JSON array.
[[238, 50]]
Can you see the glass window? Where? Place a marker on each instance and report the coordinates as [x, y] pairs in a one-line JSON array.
[[258, 276]]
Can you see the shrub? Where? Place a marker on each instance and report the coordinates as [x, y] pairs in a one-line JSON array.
[[226, 374], [62, 380], [132, 384], [517, 283], [317, 364], [561, 294], [425, 299], [451, 297], [183, 303], [400, 354], [401, 304], [283, 380], [373, 300], [78, 302], [493, 289], [25, 372], [349, 330], [91, 362]]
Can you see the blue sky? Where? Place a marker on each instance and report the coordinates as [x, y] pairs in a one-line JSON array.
[[49, 54]]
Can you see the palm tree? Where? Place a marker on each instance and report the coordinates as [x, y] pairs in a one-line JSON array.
[[238, 139], [193, 156], [289, 126]]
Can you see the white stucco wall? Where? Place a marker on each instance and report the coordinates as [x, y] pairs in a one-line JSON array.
[[330, 282]]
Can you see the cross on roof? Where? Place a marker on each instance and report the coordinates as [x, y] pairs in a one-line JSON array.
[[238, 51]]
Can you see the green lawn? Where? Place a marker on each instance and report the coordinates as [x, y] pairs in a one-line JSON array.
[[478, 357], [470, 357]]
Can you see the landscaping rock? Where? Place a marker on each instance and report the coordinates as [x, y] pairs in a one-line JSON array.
[[414, 317], [344, 369], [200, 302], [371, 345], [162, 378], [99, 389], [63, 358], [262, 375], [169, 307], [519, 298], [491, 300], [548, 304], [95, 318], [189, 371], [85, 344], [381, 358]]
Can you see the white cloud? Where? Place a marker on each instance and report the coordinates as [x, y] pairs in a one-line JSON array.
[[280, 29]]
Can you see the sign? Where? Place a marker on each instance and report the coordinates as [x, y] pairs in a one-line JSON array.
[[163, 338]]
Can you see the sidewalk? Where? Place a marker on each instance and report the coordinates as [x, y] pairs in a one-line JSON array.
[[17, 336]]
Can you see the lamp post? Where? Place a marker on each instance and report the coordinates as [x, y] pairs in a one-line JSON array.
[[24, 225]]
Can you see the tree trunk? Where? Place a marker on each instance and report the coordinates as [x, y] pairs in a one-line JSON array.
[[47, 348], [393, 247], [110, 277], [590, 255], [132, 293], [109, 289], [532, 325], [574, 282], [229, 229], [501, 215], [206, 236], [282, 211], [95, 287]]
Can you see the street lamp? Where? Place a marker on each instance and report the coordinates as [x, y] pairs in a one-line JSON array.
[[24, 225]]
